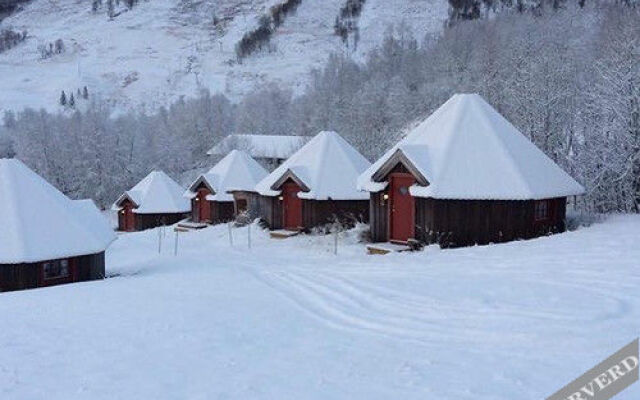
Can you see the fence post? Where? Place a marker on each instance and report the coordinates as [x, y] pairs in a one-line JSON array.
[[175, 248], [160, 241], [249, 235], [230, 234], [335, 242]]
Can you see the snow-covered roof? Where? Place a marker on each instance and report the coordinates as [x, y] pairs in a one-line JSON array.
[[40, 223], [260, 146], [157, 193], [327, 167], [467, 150], [235, 172]]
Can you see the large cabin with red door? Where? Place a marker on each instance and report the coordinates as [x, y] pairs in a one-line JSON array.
[[466, 176], [315, 186], [155, 201], [46, 238], [226, 190]]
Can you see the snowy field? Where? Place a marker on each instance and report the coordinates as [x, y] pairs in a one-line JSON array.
[[291, 320]]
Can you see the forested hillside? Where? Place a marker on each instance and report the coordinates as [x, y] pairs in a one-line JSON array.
[[567, 77]]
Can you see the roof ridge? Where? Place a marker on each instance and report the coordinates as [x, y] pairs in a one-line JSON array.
[[497, 139]]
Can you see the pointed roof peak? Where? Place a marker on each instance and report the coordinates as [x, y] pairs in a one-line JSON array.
[[327, 165], [156, 193], [60, 228], [237, 171], [467, 150]]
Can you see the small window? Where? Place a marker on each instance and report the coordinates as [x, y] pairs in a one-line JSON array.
[[541, 210], [56, 269]]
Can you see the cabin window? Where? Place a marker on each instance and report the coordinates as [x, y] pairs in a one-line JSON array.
[[541, 210], [55, 269]]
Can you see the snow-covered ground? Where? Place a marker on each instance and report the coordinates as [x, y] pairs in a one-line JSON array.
[[161, 50], [290, 320]]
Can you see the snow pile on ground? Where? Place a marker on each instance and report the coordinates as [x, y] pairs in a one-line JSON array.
[[289, 319], [38, 222], [467, 150], [328, 166], [156, 193], [235, 172], [162, 49]]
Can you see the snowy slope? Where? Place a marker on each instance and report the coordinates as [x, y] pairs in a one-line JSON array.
[[160, 50], [289, 320]]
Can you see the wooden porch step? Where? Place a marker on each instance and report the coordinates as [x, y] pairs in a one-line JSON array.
[[283, 234], [191, 225], [386, 248]]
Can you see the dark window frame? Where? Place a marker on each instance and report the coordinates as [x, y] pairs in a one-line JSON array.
[[541, 210]]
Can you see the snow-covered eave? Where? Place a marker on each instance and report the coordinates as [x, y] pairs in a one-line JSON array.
[[56, 256], [431, 192], [161, 211], [354, 197], [124, 196]]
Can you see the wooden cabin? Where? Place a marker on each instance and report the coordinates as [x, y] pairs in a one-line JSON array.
[[155, 201], [268, 150], [223, 193], [63, 242], [315, 186], [466, 176]]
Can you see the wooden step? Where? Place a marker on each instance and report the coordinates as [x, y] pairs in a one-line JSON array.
[[191, 225], [283, 234], [386, 248]]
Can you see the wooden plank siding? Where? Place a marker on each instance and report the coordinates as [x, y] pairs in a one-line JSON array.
[[454, 223], [30, 275], [148, 221], [379, 217], [314, 212]]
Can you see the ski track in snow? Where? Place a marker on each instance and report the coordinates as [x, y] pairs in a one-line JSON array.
[[289, 319]]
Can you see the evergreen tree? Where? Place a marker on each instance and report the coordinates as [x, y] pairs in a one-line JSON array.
[[72, 101], [63, 99], [85, 93]]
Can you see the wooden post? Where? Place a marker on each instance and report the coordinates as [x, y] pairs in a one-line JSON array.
[[175, 248], [335, 242], [160, 240], [230, 234], [249, 235]]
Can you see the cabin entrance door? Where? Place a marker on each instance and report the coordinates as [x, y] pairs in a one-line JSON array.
[[401, 208], [203, 205], [126, 218], [292, 206]]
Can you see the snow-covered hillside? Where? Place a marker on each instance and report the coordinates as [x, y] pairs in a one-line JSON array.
[[290, 320], [162, 49]]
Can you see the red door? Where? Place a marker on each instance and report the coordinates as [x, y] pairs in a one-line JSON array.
[[204, 207], [292, 206], [401, 208], [126, 221]]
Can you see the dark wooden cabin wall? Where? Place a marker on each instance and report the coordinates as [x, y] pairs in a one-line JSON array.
[[378, 217], [28, 275], [148, 221], [453, 223], [321, 212], [222, 211]]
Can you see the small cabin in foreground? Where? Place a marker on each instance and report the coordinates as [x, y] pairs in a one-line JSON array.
[[315, 186], [155, 201], [46, 238], [466, 176], [225, 190]]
